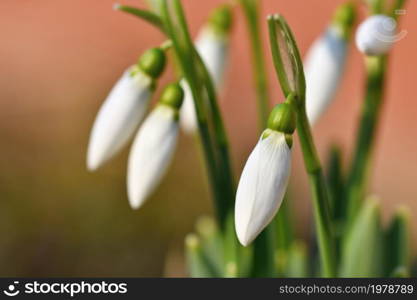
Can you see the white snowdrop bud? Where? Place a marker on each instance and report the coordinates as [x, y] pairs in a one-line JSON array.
[[188, 119], [124, 108], [323, 68], [265, 176], [376, 35], [119, 117], [262, 185], [153, 147], [325, 62]]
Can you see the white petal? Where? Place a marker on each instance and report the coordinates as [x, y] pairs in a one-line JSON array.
[[188, 118], [151, 154], [323, 67], [118, 118], [214, 51], [262, 186], [376, 35]]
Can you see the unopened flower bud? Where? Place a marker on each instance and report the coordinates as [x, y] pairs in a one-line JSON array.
[[119, 116], [262, 185], [151, 153], [325, 61]]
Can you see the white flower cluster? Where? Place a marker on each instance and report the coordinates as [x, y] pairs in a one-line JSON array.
[[265, 176], [126, 105], [119, 118]]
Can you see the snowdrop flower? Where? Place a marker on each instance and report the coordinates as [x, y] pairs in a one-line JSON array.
[[376, 35], [124, 108], [154, 147], [265, 176], [325, 62], [212, 44]]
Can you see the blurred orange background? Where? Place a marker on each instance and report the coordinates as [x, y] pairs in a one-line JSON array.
[[58, 61]]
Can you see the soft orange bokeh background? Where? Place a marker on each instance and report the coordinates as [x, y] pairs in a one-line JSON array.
[[58, 60]]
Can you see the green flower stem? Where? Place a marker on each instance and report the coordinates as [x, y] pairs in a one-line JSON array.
[[284, 226], [225, 174], [212, 133], [376, 6], [398, 242], [375, 68], [146, 15], [326, 238], [198, 263], [225, 184], [398, 4], [251, 11], [263, 263]]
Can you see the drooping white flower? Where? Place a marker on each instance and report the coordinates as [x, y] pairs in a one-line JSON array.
[[262, 185], [151, 153], [212, 43], [325, 61], [119, 117], [376, 35], [213, 48], [323, 68], [265, 176], [154, 146], [124, 108]]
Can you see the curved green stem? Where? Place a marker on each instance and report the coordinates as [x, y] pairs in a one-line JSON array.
[[224, 174], [212, 133], [146, 15], [251, 11], [375, 67], [324, 226]]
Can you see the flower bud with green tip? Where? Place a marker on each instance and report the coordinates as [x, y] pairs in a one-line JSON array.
[[154, 146], [325, 62], [124, 108], [265, 176], [212, 43]]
